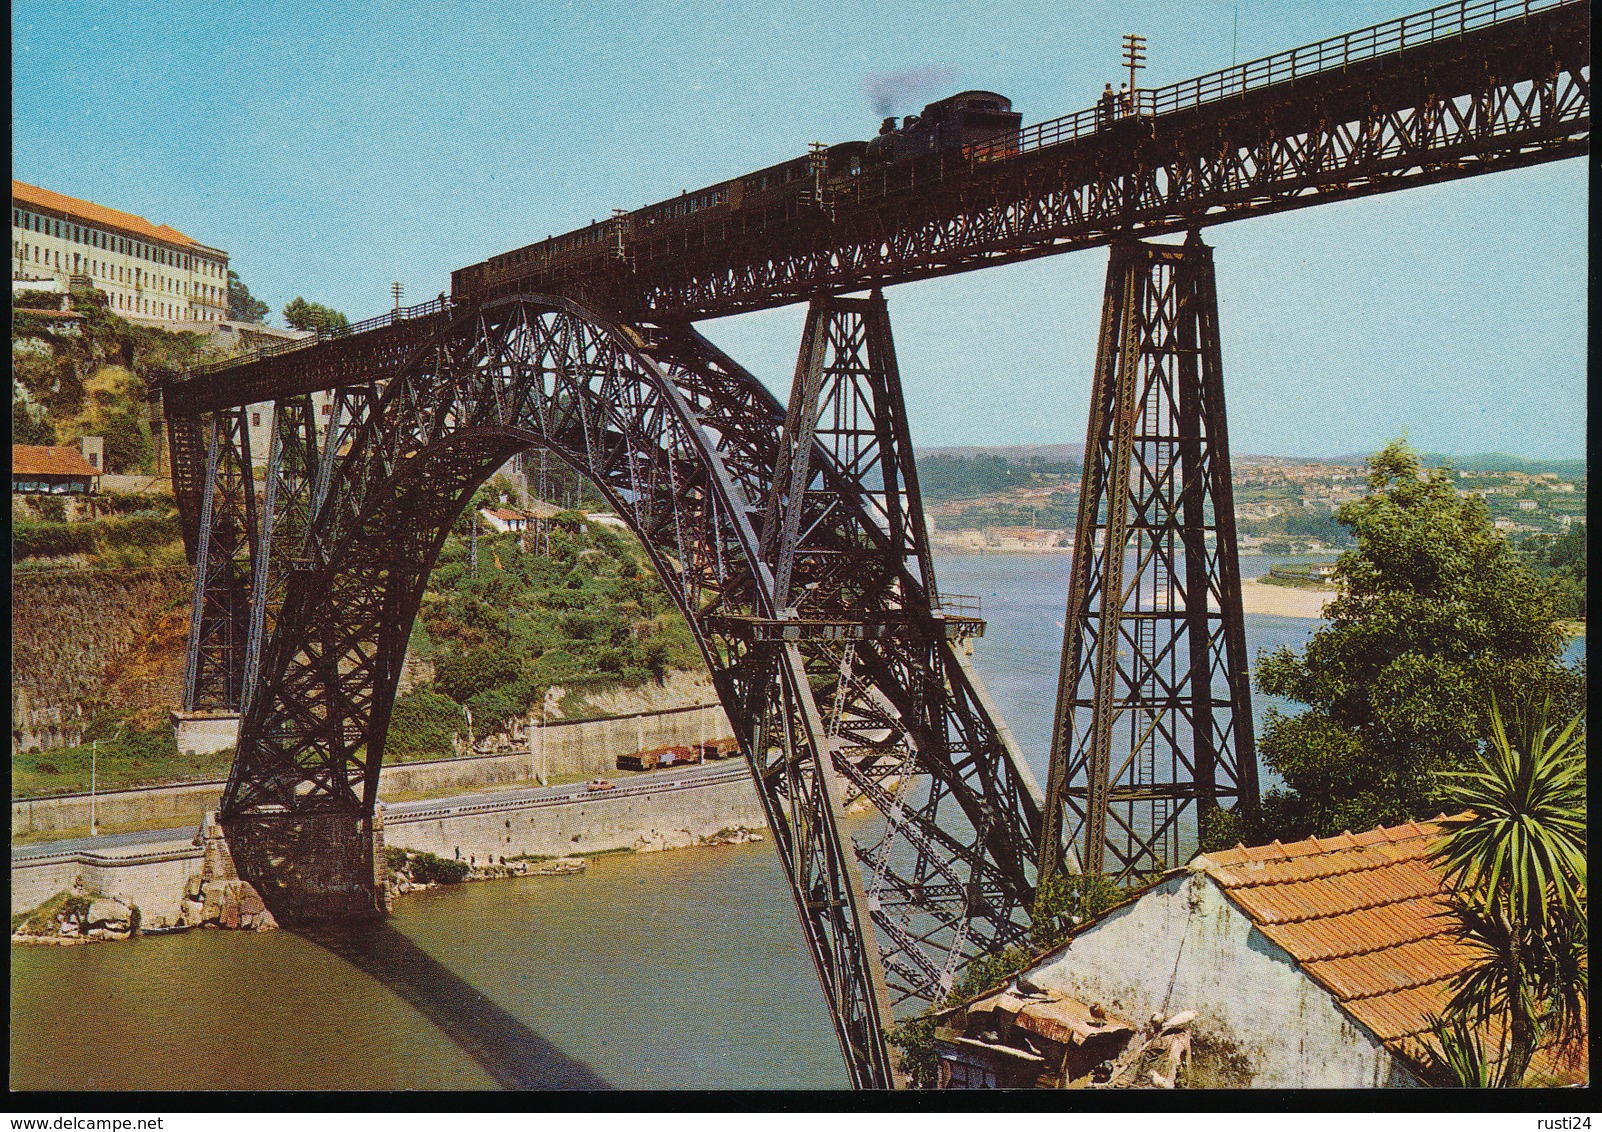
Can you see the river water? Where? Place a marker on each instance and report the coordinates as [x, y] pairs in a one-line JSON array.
[[675, 970]]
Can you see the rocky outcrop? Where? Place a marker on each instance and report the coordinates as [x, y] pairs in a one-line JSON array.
[[679, 689], [231, 904], [72, 630], [660, 842], [78, 916], [404, 878]]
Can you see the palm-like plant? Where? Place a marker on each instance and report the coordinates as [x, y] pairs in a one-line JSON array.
[[1516, 865], [1524, 848], [1457, 1054]]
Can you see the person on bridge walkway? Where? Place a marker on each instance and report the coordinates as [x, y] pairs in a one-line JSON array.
[[1104, 107]]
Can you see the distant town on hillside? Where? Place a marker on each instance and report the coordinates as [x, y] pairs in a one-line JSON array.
[[1026, 497]]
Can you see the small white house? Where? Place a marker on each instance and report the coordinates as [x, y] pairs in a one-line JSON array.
[[504, 519]]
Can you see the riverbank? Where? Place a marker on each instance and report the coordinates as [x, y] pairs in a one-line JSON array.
[[84, 914], [1257, 597], [649, 812]]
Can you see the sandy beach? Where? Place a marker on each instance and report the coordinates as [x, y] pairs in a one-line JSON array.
[[1282, 601]]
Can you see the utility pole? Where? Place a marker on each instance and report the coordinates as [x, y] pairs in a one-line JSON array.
[[94, 759], [1135, 60], [472, 552], [397, 290]]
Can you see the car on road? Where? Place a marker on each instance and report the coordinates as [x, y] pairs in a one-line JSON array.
[[599, 784]]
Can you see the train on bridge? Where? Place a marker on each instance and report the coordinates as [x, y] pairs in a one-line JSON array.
[[981, 125]]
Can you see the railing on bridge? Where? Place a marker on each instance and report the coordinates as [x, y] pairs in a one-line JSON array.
[[440, 305], [1448, 21], [959, 605]]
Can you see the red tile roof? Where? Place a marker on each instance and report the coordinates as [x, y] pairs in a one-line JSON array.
[[98, 214], [33, 460], [1365, 917]]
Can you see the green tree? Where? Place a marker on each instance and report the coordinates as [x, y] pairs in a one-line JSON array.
[[1561, 561], [30, 426], [301, 315], [1066, 901], [1437, 619], [242, 305], [129, 447], [1516, 868]]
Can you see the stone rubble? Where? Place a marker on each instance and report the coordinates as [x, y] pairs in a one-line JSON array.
[[658, 842]]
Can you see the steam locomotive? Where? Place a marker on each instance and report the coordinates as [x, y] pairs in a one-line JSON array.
[[979, 124]]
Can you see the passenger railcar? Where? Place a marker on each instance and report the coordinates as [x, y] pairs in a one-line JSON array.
[[979, 123]]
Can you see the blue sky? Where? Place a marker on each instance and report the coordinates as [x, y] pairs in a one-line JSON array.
[[332, 148]]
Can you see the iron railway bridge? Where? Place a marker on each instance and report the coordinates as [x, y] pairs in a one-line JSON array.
[[792, 535]]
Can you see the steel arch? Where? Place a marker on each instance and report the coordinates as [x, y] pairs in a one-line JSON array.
[[685, 446]]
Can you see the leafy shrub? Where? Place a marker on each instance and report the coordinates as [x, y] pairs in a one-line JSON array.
[[51, 540], [426, 868], [140, 530], [462, 676], [1065, 901], [423, 723], [492, 708], [135, 502]]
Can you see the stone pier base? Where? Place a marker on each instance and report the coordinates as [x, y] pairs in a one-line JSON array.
[[312, 869]]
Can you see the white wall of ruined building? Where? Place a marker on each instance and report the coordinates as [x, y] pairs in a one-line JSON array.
[[1184, 946]]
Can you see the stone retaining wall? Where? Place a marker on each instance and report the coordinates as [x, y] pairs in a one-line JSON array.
[[587, 748], [155, 879], [594, 824]]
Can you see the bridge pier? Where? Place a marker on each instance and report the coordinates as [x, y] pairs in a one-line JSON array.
[[1153, 724], [312, 868]]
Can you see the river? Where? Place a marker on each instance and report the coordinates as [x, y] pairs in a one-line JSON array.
[[675, 970]]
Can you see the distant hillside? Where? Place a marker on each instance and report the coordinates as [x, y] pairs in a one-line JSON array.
[[1054, 453], [1075, 454], [1483, 462]]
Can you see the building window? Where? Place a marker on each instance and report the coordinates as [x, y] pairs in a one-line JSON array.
[[328, 410], [255, 419]]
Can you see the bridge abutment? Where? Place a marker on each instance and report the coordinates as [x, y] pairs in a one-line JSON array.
[[312, 868]]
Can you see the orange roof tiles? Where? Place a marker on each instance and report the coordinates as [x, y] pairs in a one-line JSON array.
[[86, 211], [34, 460], [1365, 916]]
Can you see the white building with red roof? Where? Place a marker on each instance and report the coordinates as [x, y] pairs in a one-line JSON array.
[[504, 519], [57, 470], [147, 271]]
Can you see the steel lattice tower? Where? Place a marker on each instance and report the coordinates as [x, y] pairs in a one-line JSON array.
[[1153, 724]]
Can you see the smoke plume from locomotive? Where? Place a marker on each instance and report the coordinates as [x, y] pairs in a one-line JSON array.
[[892, 89]]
